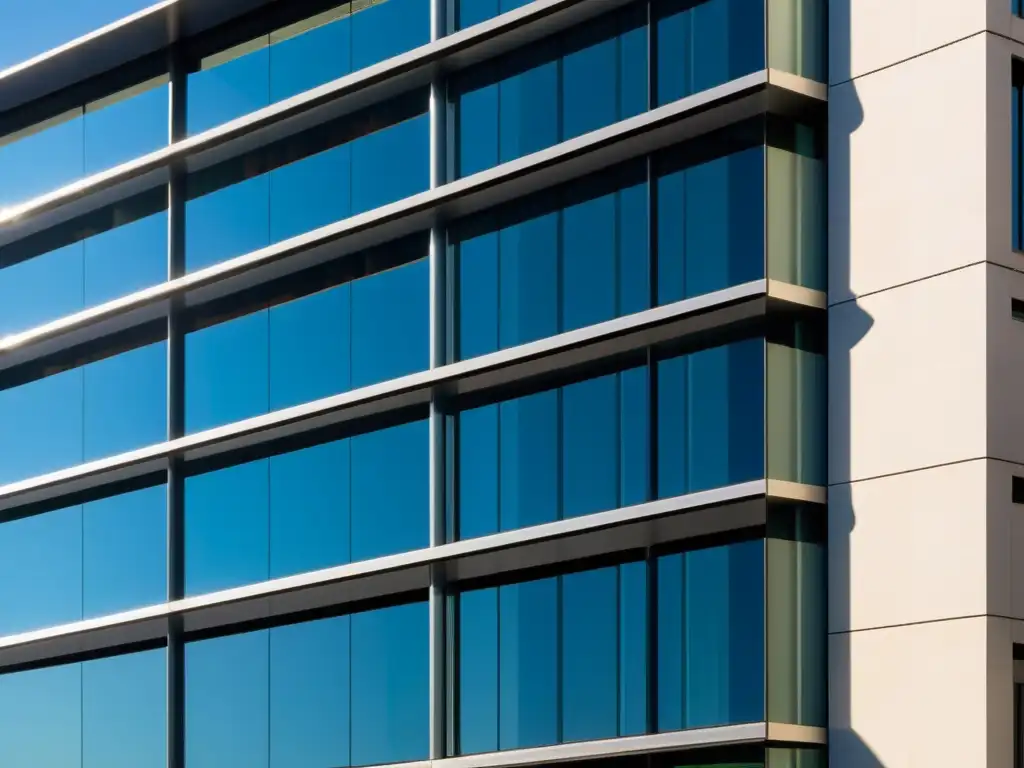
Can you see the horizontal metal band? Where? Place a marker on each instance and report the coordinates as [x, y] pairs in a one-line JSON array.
[[348, 94], [150, 30], [679, 518], [684, 119], [561, 353]]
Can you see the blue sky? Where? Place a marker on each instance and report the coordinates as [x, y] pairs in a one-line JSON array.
[[30, 27]]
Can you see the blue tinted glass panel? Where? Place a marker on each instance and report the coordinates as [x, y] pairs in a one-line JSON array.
[[711, 418], [108, 713], [220, 93], [558, 659], [390, 694], [299, 57], [387, 29], [528, 664], [82, 142], [311, 347], [704, 44], [227, 528], [589, 677], [125, 259], [711, 225], [43, 556], [373, 329], [124, 545], [561, 87], [107, 407], [41, 289], [41, 717], [390, 324], [243, 206], [124, 711], [83, 561], [126, 129], [125, 401], [561, 261], [711, 637], [227, 701], [555, 454], [310, 520], [226, 372], [1017, 110], [470, 12], [309, 688], [390, 496]]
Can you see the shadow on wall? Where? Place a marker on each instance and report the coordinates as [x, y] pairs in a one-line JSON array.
[[847, 327]]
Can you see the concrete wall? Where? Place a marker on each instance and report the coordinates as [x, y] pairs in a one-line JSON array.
[[926, 366]]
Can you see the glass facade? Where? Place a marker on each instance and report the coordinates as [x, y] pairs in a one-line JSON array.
[[425, 395], [1017, 154]]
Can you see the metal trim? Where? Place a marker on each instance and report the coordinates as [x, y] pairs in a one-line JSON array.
[[797, 734], [620, 530], [633, 137], [557, 353]]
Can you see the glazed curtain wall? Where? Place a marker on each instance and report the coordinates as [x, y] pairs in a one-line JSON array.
[[560, 658]]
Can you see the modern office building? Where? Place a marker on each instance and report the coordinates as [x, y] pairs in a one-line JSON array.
[[503, 383]]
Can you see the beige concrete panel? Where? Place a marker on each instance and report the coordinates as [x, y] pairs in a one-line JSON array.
[[907, 377], [907, 171], [1005, 346], [868, 35], [916, 696], [908, 548]]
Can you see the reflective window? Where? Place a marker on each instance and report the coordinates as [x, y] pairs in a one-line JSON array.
[[81, 141], [330, 504], [564, 260], [320, 177], [84, 263], [1017, 152], [358, 333], [470, 12], [797, 32], [89, 560], [584, 448], [555, 454], [351, 690], [703, 44], [558, 659], [106, 713], [97, 410], [555, 89], [580, 254], [711, 636], [302, 55]]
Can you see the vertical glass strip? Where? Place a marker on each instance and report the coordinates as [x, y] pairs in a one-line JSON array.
[[795, 203], [796, 37], [796, 604]]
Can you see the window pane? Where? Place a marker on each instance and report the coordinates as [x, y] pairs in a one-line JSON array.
[[83, 141], [107, 713], [557, 659], [704, 44], [124, 711], [711, 637], [226, 528], [352, 499], [227, 701], [390, 695], [101, 409], [310, 694], [553, 455], [797, 37], [711, 418], [561, 260], [301, 56], [296, 185], [561, 87]]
